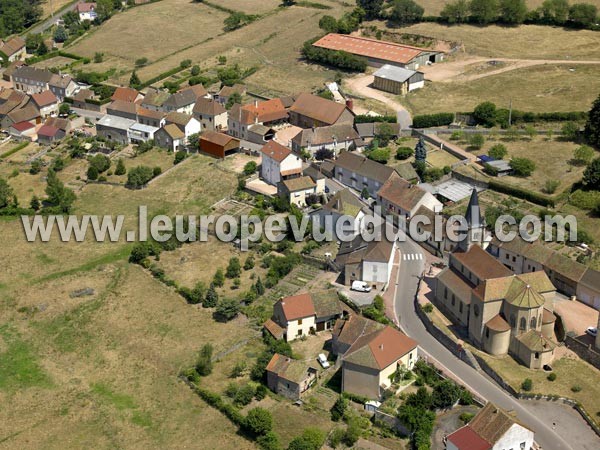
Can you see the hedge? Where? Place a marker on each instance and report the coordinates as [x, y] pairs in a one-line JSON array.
[[161, 76], [364, 118], [433, 120], [335, 58], [93, 101], [524, 194]]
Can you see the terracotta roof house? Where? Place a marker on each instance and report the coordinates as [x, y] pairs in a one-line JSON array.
[[46, 102], [28, 113], [252, 122], [22, 130], [359, 173], [150, 117], [370, 262], [279, 163], [346, 332], [211, 114], [335, 138], [492, 428], [218, 144], [48, 134], [379, 53], [87, 11], [402, 198], [227, 91], [304, 314], [310, 111], [60, 123], [290, 377], [371, 361], [297, 190], [126, 94], [12, 49]]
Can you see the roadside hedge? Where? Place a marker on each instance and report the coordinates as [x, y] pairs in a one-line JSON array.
[[364, 118], [534, 197], [433, 120]]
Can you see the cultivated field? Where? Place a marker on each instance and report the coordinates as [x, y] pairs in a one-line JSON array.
[[561, 90]]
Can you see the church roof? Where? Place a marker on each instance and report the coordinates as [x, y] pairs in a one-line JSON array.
[[473, 216]]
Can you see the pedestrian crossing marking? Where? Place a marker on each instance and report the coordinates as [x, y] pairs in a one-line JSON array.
[[412, 256]]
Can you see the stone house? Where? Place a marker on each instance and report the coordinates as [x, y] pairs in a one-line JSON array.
[[290, 377], [47, 103], [312, 111], [211, 115]]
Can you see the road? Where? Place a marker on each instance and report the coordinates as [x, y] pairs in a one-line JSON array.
[[361, 86], [410, 323], [92, 115], [43, 26]]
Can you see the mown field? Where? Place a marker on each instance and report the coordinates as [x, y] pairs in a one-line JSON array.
[[541, 89]]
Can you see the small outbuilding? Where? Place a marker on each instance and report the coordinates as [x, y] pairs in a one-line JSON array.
[[218, 144], [398, 80]]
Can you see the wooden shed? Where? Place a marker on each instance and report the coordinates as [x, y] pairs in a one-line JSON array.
[[218, 144]]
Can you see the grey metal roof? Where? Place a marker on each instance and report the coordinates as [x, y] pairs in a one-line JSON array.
[[453, 190], [144, 128], [500, 165], [117, 122], [394, 73]]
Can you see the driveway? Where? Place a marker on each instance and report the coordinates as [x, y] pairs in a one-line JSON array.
[[361, 86], [406, 279]]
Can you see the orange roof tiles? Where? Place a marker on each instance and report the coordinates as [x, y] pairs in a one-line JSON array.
[[125, 94], [371, 48], [275, 151], [298, 306]]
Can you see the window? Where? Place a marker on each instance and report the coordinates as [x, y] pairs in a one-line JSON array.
[[299, 321], [537, 355], [513, 321], [487, 333], [514, 258], [522, 446], [522, 323], [300, 332], [460, 307], [453, 300], [445, 292], [506, 256], [476, 310], [533, 323]]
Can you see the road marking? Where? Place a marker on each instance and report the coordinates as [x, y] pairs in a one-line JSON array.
[[412, 256]]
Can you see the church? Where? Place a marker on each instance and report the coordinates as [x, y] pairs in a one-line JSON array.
[[503, 313]]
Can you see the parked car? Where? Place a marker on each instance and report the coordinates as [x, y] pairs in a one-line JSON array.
[[360, 286], [592, 331], [323, 360]]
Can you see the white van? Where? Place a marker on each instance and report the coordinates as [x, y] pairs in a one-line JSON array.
[[361, 286], [323, 360]]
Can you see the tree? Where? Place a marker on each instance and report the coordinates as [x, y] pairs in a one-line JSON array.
[[42, 49], [323, 153], [195, 71], [139, 176], [134, 80], [339, 408], [591, 175], [592, 126], [120, 169], [234, 98], [310, 439], [570, 131], [100, 162], [249, 263], [140, 62], [353, 432], [421, 150], [484, 11], [476, 140], [259, 287], [6, 193], [219, 278], [227, 309], [104, 9], [269, 441], [406, 11], [551, 186], [250, 168], [381, 155], [555, 11], [204, 363], [404, 153], [384, 133], [445, 394], [259, 421], [58, 194], [498, 151], [98, 57], [527, 384], [179, 156], [35, 203], [583, 154], [513, 11], [60, 34], [372, 8], [583, 14], [64, 108], [485, 114], [92, 173], [522, 167], [197, 294], [212, 298], [455, 12], [329, 24]]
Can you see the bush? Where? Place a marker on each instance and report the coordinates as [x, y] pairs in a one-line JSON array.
[[381, 155], [551, 186], [179, 156], [522, 167], [204, 364], [227, 309], [259, 421], [476, 141], [524, 194], [498, 151], [551, 376], [339, 408], [250, 168], [485, 114], [139, 176], [403, 153], [576, 388], [465, 418], [92, 173], [433, 120], [527, 385], [244, 395]]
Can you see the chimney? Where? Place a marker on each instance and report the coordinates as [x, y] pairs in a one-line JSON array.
[[256, 103], [350, 104], [380, 346]]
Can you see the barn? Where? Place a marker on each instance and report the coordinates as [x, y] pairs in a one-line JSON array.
[[218, 144], [398, 80], [379, 53]]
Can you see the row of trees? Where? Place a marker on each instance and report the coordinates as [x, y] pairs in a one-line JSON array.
[[340, 59]]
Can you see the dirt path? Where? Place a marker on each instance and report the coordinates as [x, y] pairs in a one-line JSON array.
[[360, 85], [454, 70]]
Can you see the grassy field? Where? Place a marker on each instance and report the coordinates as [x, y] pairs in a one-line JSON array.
[[433, 7], [250, 6], [561, 90], [49, 6], [57, 61], [523, 42]]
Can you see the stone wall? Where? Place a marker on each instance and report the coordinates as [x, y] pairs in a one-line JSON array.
[[583, 350]]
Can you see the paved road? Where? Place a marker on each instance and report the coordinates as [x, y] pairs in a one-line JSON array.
[[92, 115], [43, 26], [407, 278]]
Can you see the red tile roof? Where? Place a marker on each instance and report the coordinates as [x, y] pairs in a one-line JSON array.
[[298, 306], [380, 349], [215, 137], [22, 126], [48, 130], [275, 151], [268, 111], [318, 108], [370, 48], [85, 7], [483, 265], [44, 98], [466, 439], [125, 94]]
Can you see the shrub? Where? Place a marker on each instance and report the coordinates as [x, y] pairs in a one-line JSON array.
[[485, 114], [476, 140], [522, 167], [381, 155], [551, 186], [227, 309], [403, 153], [244, 395], [92, 173], [465, 418], [204, 364], [551, 376], [498, 151], [259, 421], [179, 156], [339, 408], [433, 120], [427, 308], [527, 385], [576, 388]]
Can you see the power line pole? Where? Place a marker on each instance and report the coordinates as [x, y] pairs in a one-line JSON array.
[[510, 113]]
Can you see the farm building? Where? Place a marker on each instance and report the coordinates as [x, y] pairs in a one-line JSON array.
[[398, 80], [218, 144], [379, 53]]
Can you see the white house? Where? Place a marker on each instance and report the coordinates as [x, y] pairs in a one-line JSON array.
[[211, 114], [186, 123], [139, 132], [491, 429], [86, 11], [47, 103], [279, 163], [343, 204], [400, 198]]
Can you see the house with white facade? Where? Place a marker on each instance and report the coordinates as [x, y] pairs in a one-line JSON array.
[[86, 11], [279, 163], [342, 204], [211, 114], [492, 429], [303, 314], [298, 190], [335, 138], [12, 49], [46, 103], [400, 198], [139, 133], [185, 122]]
